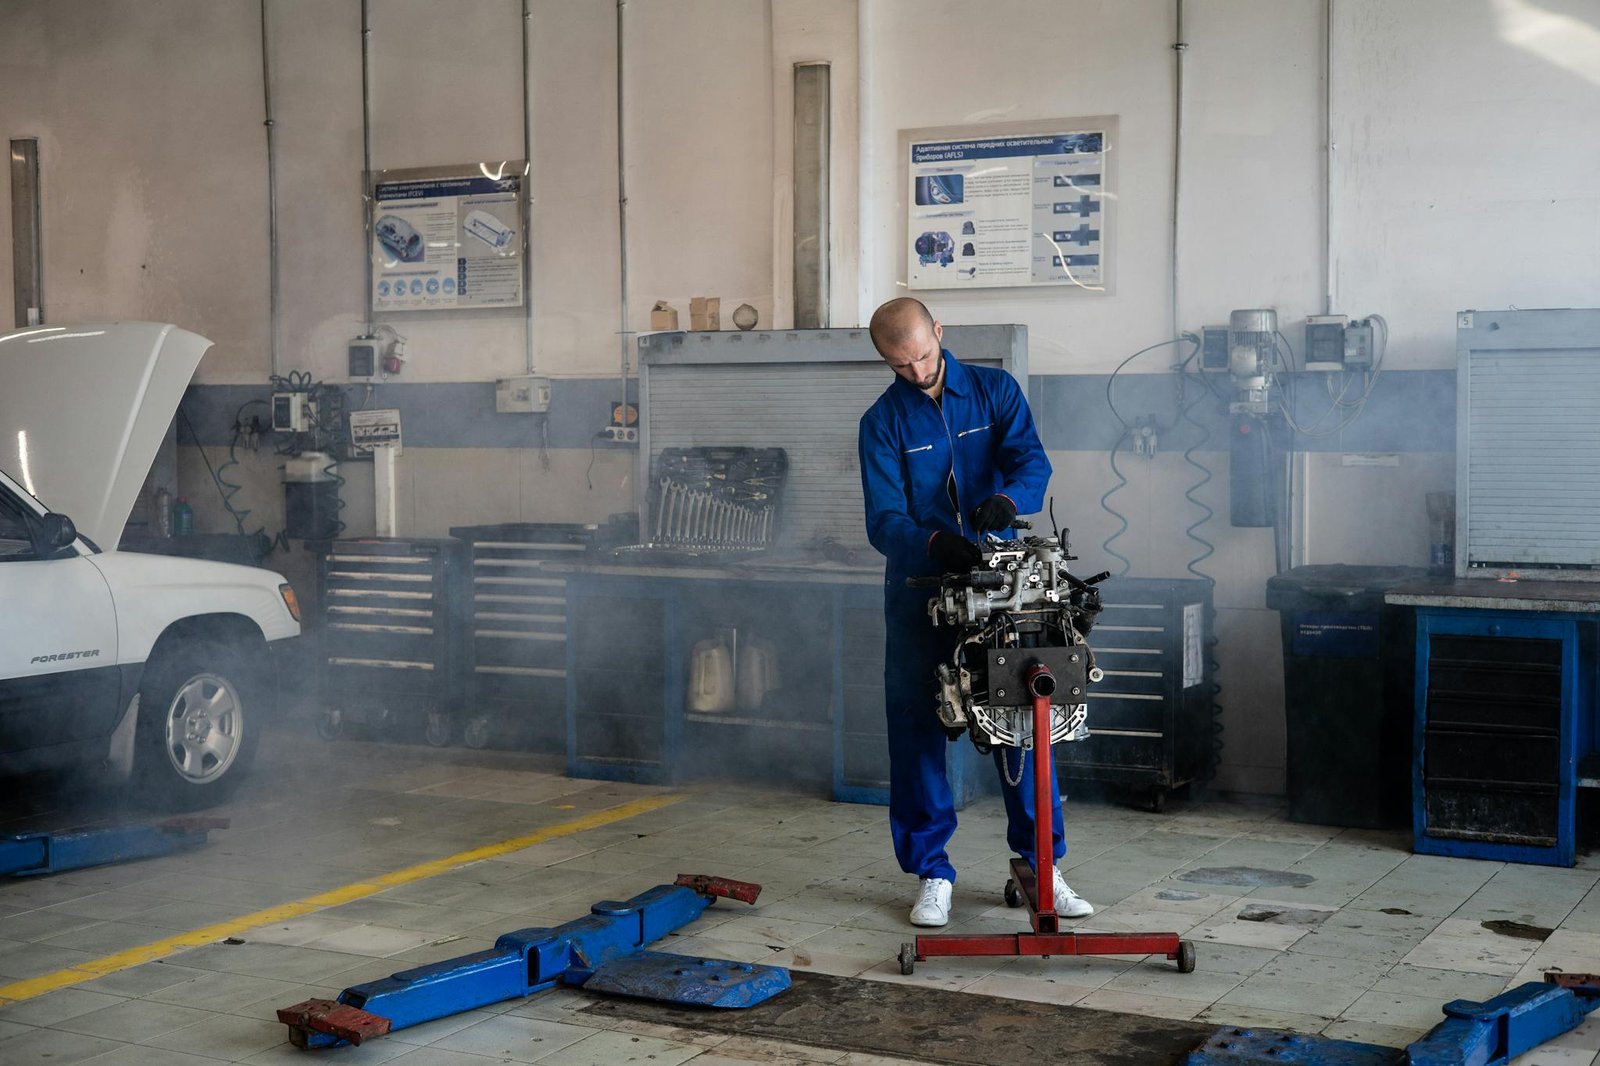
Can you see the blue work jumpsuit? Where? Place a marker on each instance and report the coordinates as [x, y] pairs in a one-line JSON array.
[[916, 453]]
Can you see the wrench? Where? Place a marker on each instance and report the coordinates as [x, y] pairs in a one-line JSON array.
[[661, 507]]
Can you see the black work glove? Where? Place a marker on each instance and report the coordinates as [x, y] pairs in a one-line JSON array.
[[996, 512], [953, 552]]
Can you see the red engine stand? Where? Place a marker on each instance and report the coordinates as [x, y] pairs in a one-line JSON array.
[[1035, 886]]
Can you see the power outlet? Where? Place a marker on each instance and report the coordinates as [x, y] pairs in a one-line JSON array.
[[621, 434]]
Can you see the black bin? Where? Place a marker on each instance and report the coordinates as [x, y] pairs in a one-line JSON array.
[[1348, 672]]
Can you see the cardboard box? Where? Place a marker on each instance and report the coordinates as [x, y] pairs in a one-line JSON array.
[[705, 312], [663, 316]]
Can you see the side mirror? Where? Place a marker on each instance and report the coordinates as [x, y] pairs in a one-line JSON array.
[[56, 532]]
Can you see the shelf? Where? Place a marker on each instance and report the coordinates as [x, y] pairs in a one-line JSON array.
[[768, 723]]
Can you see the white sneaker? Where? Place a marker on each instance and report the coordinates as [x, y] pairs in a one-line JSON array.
[[1068, 903], [933, 903]]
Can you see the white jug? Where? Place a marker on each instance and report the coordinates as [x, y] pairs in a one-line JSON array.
[[711, 678], [758, 672]]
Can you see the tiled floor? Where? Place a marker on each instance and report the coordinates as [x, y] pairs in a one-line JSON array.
[[1361, 940]]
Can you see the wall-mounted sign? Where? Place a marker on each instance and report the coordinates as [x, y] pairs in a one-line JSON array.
[[1015, 205], [374, 429], [445, 238]]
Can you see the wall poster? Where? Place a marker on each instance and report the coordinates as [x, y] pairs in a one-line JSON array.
[[448, 238], [1019, 204]]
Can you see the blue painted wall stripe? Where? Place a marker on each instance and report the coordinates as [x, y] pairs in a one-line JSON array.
[[1410, 411]]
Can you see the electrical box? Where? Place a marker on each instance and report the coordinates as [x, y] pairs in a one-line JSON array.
[[1325, 340], [1358, 345], [624, 427], [292, 412], [364, 357], [526, 395], [1214, 348]]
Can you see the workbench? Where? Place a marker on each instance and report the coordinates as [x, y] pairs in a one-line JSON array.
[[631, 632], [1506, 706], [632, 628]]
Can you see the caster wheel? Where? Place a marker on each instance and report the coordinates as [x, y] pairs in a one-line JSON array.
[[438, 731], [476, 733], [908, 958], [1158, 800], [1013, 894], [382, 720], [1185, 956], [330, 725]]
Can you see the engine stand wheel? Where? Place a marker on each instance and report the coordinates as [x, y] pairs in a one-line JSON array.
[[1013, 893], [1186, 956], [477, 732], [438, 731], [331, 724], [908, 958]]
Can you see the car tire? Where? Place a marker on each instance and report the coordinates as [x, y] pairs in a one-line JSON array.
[[200, 715]]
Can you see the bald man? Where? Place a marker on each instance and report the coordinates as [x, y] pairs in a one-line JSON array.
[[948, 453]]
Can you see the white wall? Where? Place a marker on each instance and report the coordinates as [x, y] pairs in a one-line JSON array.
[[946, 63], [1463, 175], [1467, 154]]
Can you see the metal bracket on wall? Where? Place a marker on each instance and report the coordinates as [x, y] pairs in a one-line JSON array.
[[26, 262]]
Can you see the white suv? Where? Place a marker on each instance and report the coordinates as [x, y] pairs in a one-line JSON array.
[[157, 666]]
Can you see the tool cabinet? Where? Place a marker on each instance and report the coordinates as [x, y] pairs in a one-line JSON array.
[[391, 619], [1151, 724], [514, 648]]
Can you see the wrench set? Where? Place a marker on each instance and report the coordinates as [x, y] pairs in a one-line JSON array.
[[693, 517]]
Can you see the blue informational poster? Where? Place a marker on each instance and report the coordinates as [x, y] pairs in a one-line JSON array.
[[1019, 209], [448, 238]]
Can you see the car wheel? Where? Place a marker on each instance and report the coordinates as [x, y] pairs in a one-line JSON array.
[[199, 723]]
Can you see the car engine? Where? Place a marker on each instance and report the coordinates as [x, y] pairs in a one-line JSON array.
[[1021, 608]]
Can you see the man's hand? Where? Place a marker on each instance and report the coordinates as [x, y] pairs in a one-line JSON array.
[[954, 553], [997, 512]]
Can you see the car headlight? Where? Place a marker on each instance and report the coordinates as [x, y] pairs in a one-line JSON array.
[[290, 601]]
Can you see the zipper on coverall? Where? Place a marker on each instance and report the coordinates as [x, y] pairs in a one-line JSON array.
[[955, 482]]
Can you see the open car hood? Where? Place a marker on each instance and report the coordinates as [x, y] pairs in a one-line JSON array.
[[83, 410]]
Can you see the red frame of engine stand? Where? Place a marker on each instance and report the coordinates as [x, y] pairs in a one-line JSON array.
[[1046, 939]]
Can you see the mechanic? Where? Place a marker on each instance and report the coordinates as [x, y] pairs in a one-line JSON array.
[[948, 453]]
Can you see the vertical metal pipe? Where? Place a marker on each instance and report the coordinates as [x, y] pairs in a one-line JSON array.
[[625, 329], [27, 262], [366, 155], [866, 160], [274, 302], [1330, 298], [812, 212], [527, 188], [1179, 47]]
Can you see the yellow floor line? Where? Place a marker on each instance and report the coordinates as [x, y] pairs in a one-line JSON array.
[[31, 987]]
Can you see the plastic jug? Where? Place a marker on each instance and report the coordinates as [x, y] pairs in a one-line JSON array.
[[711, 678], [182, 518], [758, 672]]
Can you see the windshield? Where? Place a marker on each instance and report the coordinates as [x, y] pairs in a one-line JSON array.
[[16, 539], [16, 486]]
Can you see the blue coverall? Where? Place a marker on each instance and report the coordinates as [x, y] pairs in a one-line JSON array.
[[980, 432]]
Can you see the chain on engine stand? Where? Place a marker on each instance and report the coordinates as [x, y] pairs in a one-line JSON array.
[[1024, 621]]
